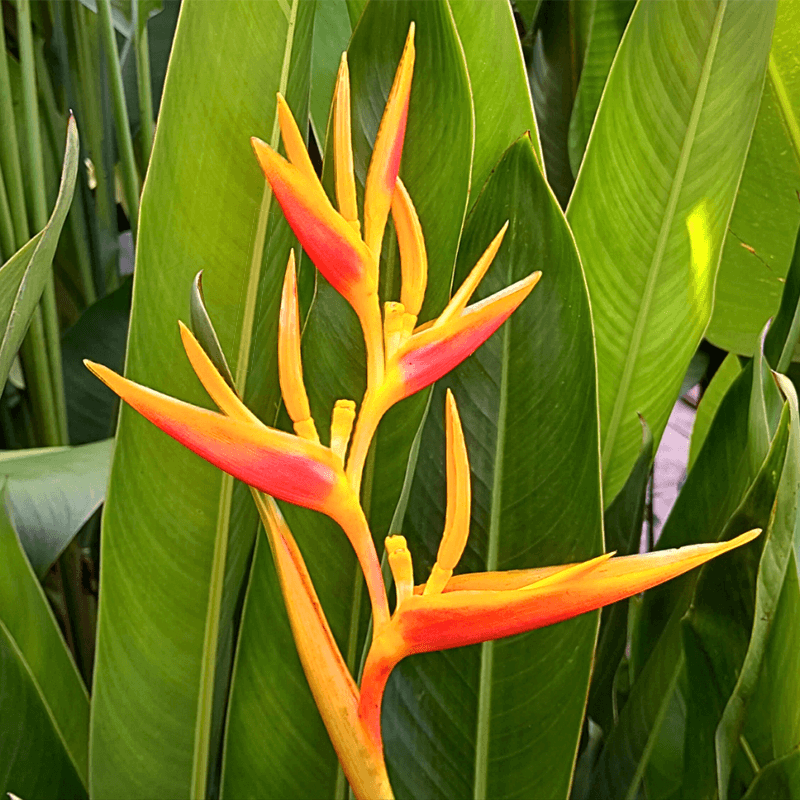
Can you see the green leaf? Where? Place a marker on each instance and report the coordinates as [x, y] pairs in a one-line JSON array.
[[622, 523], [332, 31], [781, 338], [45, 750], [499, 85], [24, 275], [527, 403], [709, 404], [607, 24], [761, 234], [51, 493], [177, 534], [777, 780], [657, 648], [435, 168], [779, 541], [680, 102], [553, 72], [99, 334]]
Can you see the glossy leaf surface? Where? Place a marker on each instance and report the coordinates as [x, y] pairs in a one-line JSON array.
[[45, 750], [51, 493], [177, 533], [526, 400], [761, 235], [680, 103]]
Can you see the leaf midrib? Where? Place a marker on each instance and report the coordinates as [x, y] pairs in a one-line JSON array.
[[205, 702], [661, 244], [785, 106]]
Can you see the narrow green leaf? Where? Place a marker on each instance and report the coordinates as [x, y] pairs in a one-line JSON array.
[[622, 523], [177, 534], [761, 233], [778, 544], [777, 780], [51, 493], [783, 333], [527, 404], [499, 85], [649, 231], [709, 404], [46, 749], [607, 24], [24, 275]]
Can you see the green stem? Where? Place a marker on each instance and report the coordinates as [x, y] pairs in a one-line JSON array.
[[30, 106], [9, 152], [143, 81], [83, 23], [7, 247], [38, 382], [130, 178], [56, 127]]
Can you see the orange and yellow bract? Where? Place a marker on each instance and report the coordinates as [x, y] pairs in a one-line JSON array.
[[448, 610]]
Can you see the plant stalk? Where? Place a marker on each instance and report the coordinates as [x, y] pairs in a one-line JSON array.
[[130, 177], [30, 105], [142, 47]]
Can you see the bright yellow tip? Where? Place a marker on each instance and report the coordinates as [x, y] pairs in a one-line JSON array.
[[293, 140], [385, 162], [290, 369], [400, 564], [456, 526], [467, 289], [344, 414], [571, 572], [343, 148], [413, 257], [217, 387]]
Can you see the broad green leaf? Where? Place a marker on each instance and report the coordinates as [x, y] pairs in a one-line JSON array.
[[499, 85], [51, 493], [45, 739], [657, 649], [652, 201], [777, 780], [435, 167], [177, 533], [724, 474], [24, 275], [622, 523], [709, 404], [761, 233], [607, 22], [332, 31], [780, 539], [772, 727], [99, 335], [527, 403]]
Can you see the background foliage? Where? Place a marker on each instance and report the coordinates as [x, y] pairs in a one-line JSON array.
[[648, 157]]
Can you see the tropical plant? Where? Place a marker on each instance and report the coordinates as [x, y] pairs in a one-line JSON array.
[[235, 664]]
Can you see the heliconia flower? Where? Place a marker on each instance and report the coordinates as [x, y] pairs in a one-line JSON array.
[[457, 611], [297, 470], [436, 348], [332, 238]]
